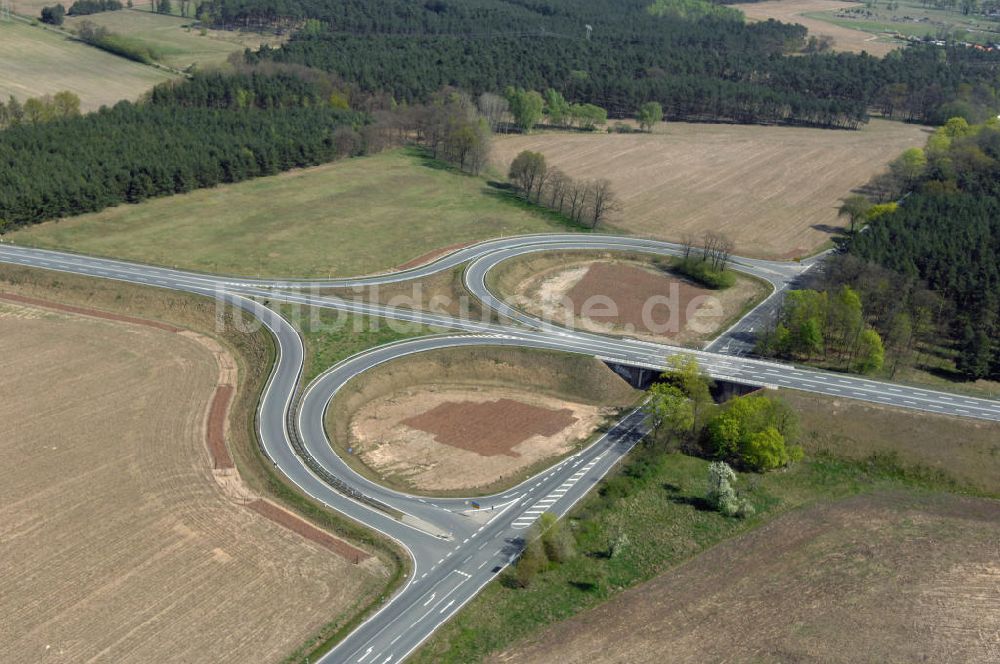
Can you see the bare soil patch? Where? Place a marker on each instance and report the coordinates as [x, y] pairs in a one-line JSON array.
[[216, 434], [491, 427], [623, 295], [430, 256], [634, 287], [427, 437], [773, 190], [123, 544], [367, 422], [883, 578], [844, 39]]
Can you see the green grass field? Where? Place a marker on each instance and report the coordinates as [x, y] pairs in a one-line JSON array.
[[331, 336], [175, 44], [342, 219], [37, 61]]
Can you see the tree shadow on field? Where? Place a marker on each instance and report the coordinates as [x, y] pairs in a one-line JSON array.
[[950, 375], [584, 586], [509, 195], [675, 496], [427, 160], [828, 229]]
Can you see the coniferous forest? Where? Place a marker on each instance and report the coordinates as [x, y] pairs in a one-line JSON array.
[[199, 133], [919, 276], [946, 234], [709, 68]]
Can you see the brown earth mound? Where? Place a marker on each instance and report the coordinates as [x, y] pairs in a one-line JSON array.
[[87, 311], [491, 427], [632, 290], [305, 529]]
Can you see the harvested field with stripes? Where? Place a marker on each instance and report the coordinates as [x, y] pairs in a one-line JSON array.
[[120, 541]]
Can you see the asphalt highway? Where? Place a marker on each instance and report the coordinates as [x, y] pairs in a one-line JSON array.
[[455, 548]]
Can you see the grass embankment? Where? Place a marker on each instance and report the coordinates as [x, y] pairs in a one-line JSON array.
[[39, 62], [656, 504], [343, 219], [932, 365], [443, 292], [564, 376], [330, 336], [254, 353]]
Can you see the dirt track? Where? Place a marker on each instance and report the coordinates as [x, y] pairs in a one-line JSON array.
[[118, 542]]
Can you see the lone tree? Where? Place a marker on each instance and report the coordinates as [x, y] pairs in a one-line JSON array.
[[670, 412], [855, 208], [53, 15], [649, 115], [721, 493], [494, 108], [684, 373], [753, 431]]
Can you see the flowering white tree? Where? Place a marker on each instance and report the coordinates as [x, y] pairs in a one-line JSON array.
[[721, 493]]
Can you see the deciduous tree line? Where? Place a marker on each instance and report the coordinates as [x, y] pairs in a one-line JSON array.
[[587, 202], [36, 110], [829, 325], [921, 274]]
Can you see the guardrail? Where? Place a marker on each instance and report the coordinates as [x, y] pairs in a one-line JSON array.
[[334, 482]]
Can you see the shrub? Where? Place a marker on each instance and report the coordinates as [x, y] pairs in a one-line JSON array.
[[53, 15], [531, 562], [127, 47], [753, 431], [84, 7], [702, 272]]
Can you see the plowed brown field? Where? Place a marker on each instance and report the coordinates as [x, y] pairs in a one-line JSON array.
[[883, 578], [118, 544], [773, 190]]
